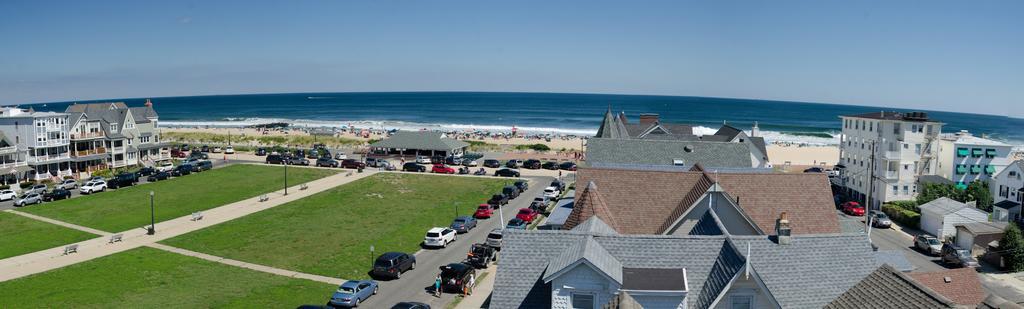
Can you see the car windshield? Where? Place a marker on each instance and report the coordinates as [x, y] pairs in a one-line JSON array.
[[933, 241], [383, 263], [963, 252], [347, 290], [428, 235], [524, 211], [494, 236], [882, 216], [483, 208]]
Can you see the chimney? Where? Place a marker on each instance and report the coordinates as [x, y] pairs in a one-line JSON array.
[[149, 103], [647, 119], [755, 131], [782, 230]]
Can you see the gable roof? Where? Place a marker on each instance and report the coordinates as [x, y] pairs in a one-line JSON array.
[[836, 262], [963, 288], [142, 114], [728, 131], [1019, 164], [943, 206], [594, 225], [888, 288], [421, 140], [641, 201], [665, 152], [612, 126], [587, 250]]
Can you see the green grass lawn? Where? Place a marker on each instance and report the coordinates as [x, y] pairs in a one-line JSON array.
[[151, 278], [127, 208], [21, 235], [330, 233]]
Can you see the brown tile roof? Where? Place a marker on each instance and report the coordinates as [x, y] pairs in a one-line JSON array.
[[641, 201], [964, 287], [590, 203]]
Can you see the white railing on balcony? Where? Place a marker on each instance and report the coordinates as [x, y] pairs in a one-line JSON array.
[[891, 155], [892, 174], [10, 149], [47, 158], [87, 135], [6, 166]]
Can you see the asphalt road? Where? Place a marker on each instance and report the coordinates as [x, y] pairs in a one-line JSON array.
[[416, 285]]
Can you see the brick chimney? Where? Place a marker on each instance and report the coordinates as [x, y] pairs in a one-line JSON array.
[[782, 229], [647, 119]]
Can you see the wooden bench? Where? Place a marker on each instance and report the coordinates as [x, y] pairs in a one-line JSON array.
[[71, 249], [264, 198], [115, 238], [303, 187], [196, 216]]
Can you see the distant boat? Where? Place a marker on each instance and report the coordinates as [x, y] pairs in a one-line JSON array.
[[318, 98]]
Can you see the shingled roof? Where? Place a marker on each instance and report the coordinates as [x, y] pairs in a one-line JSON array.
[[420, 140], [887, 287], [641, 201], [667, 152], [963, 288], [589, 203]]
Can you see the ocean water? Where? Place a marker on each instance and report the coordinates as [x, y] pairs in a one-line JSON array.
[[558, 113]]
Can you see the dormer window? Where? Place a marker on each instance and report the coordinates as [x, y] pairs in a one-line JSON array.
[[113, 127]]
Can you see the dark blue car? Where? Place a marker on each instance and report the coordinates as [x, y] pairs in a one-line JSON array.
[[353, 292], [516, 224], [463, 224]]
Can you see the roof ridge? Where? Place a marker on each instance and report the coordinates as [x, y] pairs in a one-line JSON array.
[[691, 197], [591, 198]]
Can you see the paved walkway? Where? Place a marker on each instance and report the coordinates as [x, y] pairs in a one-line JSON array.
[[256, 267], [41, 261], [58, 222], [482, 291]]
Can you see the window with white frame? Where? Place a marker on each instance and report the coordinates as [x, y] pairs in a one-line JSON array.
[[582, 301], [741, 302], [113, 127]]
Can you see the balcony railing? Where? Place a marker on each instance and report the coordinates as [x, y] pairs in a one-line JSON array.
[[47, 158], [11, 149], [82, 153], [892, 174], [5, 166], [891, 155], [87, 135]]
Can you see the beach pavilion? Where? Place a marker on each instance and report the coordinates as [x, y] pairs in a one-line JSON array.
[[420, 143]]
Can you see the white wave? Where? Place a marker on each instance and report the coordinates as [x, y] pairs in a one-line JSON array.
[[778, 137]]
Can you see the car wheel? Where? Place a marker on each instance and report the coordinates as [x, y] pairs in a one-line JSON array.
[[413, 266], [375, 289], [398, 275]]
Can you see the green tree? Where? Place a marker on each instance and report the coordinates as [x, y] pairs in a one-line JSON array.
[[978, 191], [1012, 246]]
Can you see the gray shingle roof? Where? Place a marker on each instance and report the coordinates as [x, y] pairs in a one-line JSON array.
[[588, 250], [809, 273], [421, 140], [894, 258], [594, 226], [888, 288], [943, 205], [663, 152]]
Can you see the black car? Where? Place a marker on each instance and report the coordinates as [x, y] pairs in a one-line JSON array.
[[56, 194], [498, 199], [326, 162], [205, 148], [492, 163], [506, 172], [511, 191], [393, 264], [410, 305], [261, 152], [123, 180], [202, 166], [275, 159], [413, 167], [814, 170], [550, 165], [568, 166], [531, 164], [146, 171], [181, 170], [480, 255], [199, 155], [159, 176], [522, 185], [300, 153], [455, 276]]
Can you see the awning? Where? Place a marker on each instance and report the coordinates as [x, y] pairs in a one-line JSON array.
[[989, 169], [975, 169], [977, 152], [962, 152], [961, 169], [990, 152], [961, 186]]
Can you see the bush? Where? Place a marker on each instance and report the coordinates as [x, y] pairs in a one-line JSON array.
[[907, 205], [46, 181], [5, 187], [69, 177], [26, 184], [907, 218], [103, 173], [535, 147], [1012, 246]]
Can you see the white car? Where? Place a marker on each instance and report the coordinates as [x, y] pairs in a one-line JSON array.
[[7, 194], [93, 186], [68, 184], [28, 199], [229, 150], [494, 239], [340, 156], [216, 150], [551, 193], [165, 166], [439, 237], [423, 159]]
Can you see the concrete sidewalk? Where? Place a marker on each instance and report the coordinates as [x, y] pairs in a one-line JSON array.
[[482, 291], [256, 267], [41, 261]]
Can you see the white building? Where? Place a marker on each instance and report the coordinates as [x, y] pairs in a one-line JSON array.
[[899, 146], [39, 141], [964, 158], [1007, 189], [940, 216]]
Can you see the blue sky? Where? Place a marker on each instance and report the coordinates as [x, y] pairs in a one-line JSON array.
[[941, 55]]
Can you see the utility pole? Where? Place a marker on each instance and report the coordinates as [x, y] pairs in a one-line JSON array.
[[871, 185]]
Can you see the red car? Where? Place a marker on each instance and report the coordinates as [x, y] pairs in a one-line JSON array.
[[853, 209], [526, 214], [483, 211], [443, 169]]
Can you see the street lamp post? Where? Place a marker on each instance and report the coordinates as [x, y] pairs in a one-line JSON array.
[[286, 178], [152, 216]]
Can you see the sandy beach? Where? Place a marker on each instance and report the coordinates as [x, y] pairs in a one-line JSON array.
[[780, 155]]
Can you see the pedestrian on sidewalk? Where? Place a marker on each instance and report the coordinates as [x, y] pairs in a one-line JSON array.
[[437, 286], [472, 284]]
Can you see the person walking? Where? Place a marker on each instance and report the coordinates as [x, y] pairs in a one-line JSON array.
[[472, 284], [437, 286]]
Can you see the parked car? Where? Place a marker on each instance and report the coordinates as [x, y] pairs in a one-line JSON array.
[[511, 191], [542, 199], [275, 159], [506, 172], [340, 156], [453, 160], [853, 208], [480, 255], [182, 170], [373, 162], [413, 167], [516, 224], [439, 237], [928, 244], [551, 193], [200, 166], [352, 163], [483, 211], [145, 171], [568, 166], [494, 239], [229, 150], [93, 186], [469, 163], [261, 152], [216, 150], [7, 194], [880, 220], [164, 166], [443, 169], [558, 184], [527, 214], [522, 185], [297, 160], [463, 224], [353, 292], [497, 200], [531, 164], [327, 162], [492, 163], [952, 254], [549, 165], [123, 180], [393, 264], [28, 199], [514, 163], [67, 184], [423, 159], [38, 189], [205, 148], [158, 176], [199, 155], [455, 276], [814, 170], [410, 305], [56, 194]]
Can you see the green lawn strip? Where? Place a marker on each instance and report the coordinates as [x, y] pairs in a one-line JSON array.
[[23, 235], [127, 208], [330, 233], [147, 278]]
